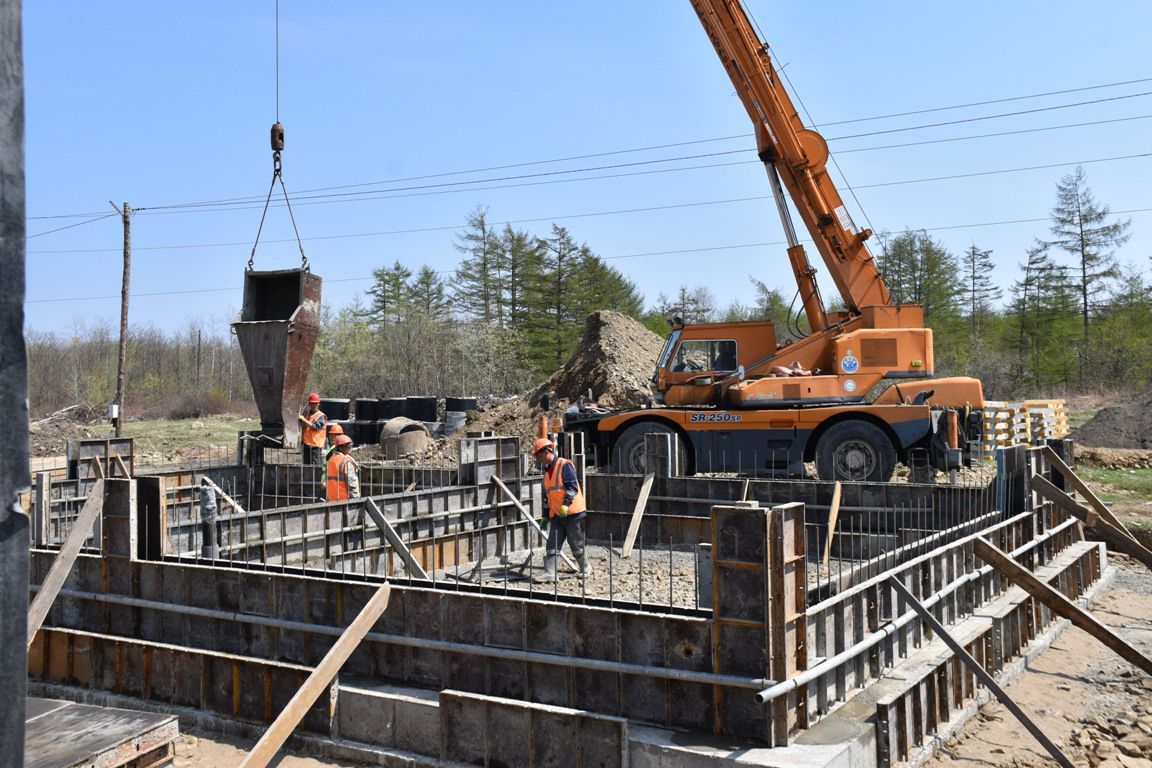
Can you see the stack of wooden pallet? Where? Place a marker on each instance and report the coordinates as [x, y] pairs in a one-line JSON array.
[[1027, 422]]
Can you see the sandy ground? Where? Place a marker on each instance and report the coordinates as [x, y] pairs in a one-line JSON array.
[[196, 749], [1096, 707]]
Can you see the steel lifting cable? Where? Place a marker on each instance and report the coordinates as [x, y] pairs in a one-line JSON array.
[[277, 175]]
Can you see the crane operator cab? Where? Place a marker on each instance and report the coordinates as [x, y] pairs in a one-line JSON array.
[[699, 356]]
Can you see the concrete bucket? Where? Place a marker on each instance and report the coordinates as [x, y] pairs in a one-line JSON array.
[[277, 333]]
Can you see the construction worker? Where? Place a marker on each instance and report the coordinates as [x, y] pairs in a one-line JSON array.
[[334, 431], [566, 508], [343, 482], [313, 432]]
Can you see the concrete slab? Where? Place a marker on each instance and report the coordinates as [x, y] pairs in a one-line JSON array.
[[59, 734]]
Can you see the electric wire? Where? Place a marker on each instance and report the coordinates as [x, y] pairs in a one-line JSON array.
[[249, 199]]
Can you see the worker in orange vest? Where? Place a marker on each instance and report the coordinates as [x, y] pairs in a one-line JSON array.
[[566, 508], [334, 431], [313, 432], [343, 481]]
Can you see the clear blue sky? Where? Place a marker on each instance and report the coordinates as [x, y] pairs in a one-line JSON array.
[[388, 105]]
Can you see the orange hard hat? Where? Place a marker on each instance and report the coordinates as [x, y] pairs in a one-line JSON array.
[[542, 443], [335, 429], [342, 440], [313, 398]]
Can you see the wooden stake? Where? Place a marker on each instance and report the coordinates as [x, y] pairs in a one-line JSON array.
[[1059, 604], [1100, 507], [942, 633], [1109, 533], [531, 520], [638, 515], [321, 676], [62, 565], [833, 514], [394, 539]]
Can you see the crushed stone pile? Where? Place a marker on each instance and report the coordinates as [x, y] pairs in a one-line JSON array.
[[1126, 424]]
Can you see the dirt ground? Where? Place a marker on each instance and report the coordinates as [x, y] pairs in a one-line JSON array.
[[199, 749], [1096, 707]]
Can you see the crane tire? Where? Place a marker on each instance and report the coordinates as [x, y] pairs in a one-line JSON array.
[[857, 451], [628, 455]]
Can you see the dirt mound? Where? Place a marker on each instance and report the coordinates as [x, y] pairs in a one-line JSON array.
[[49, 436], [1124, 424], [615, 359]]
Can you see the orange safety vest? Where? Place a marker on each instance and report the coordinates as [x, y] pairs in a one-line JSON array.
[[313, 436], [554, 490], [338, 476]]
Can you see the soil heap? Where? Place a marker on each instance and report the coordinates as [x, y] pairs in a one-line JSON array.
[[1127, 424]]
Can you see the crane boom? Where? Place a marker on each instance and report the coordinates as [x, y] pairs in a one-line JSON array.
[[797, 155]]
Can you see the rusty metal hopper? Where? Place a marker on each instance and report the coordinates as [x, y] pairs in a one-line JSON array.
[[277, 333]]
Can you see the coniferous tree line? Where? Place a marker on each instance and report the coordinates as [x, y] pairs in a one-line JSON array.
[[513, 309]]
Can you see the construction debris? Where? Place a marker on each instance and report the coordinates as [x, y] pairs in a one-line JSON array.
[[1125, 424]]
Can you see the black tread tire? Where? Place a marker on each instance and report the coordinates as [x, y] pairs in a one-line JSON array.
[[855, 451], [628, 456]]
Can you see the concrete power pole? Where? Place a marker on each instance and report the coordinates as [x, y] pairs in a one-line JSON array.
[[126, 215], [15, 475]]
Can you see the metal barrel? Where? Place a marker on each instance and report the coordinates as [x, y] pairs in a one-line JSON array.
[[277, 333]]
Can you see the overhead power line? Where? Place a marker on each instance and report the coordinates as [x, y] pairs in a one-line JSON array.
[[643, 254], [241, 203]]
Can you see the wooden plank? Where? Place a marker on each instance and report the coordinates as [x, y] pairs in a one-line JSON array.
[[638, 514], [123, 467], [1059, 604], [286, 722], [1105, 530], [97, 467], [942, 633], [205, 480], [394, 539], [62, 565], [531, 520], [1081, 488], [833, 514]]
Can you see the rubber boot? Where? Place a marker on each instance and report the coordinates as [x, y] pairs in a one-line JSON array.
[[585, 568], [549, 569]]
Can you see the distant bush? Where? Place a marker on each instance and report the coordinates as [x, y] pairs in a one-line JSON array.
[[196, 406]]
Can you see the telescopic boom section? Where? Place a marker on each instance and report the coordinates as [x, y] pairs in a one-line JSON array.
[[798, 155]]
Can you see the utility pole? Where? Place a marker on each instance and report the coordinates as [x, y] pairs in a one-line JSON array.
[[126, 216], [15, 476]]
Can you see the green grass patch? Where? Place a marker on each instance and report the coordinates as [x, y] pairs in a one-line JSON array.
[[1118, 484], [1077, 419], [161, 435]]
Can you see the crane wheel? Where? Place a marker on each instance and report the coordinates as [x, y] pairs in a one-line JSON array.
[[855, 451], [629, 456]]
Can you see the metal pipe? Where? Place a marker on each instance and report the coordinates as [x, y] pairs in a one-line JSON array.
[[807, 676], [506, 654]]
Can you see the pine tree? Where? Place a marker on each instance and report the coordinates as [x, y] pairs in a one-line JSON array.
[[980, 291], [521, 256], [603, 287], [1044, 312], [389, 294], [476, 283], [1082, 228], [918, 270], [426, 295]]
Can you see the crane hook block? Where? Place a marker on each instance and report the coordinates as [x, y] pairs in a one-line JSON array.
[[277, 137]]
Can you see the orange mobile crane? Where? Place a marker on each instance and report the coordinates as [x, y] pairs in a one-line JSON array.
[[855, 395]]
